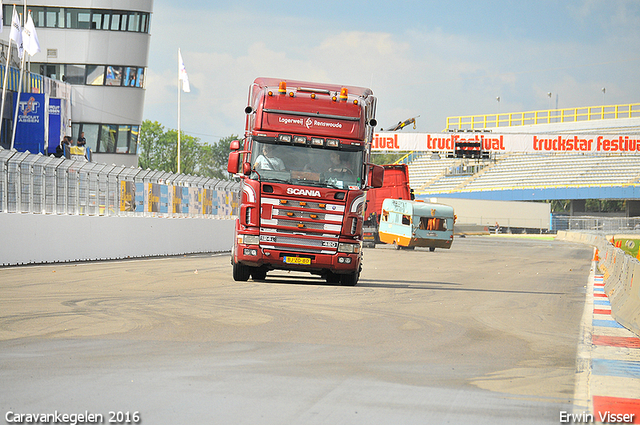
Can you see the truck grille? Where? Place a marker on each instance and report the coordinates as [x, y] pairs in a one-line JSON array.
[[301, 226]]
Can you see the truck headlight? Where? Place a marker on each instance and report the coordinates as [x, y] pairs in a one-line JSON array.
[[349, 248], [250, 239]]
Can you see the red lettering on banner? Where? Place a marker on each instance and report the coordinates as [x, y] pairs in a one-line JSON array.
[[495, 144], [508, 143], [386, 142], [441, 143], [618, 144], [560, 144]]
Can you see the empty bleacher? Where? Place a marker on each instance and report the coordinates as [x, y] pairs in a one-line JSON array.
[[531, 170], [520, 170]]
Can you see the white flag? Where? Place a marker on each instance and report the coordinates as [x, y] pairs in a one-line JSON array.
[[30, 38], [182, 72], [16, 32]]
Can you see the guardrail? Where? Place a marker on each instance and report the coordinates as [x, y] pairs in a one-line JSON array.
[[619, 270], [549, 116], [48, 185]]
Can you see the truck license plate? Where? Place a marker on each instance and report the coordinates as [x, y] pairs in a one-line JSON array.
[[297, 260]]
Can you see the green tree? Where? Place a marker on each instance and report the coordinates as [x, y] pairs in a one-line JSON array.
[[386, 158], [214, 158], [159, 151]]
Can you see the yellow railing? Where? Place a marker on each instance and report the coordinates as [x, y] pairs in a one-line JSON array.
[[549, 116]]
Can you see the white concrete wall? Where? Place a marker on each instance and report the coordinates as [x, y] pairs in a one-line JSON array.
[[39, 238], [535, 215]]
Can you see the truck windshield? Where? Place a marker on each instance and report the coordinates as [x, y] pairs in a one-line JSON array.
[[306, 165]]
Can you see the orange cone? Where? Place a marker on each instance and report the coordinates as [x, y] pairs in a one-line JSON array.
[[595, 256]]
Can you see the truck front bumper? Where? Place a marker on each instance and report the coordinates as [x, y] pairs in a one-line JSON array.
[[256, 256]]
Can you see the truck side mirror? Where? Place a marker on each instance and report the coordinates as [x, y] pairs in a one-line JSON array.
[[246, 168], [234, 160], [235, 145], [377, 176]]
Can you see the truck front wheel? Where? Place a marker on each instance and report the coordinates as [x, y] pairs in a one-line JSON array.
[[350, 279], [241, 273]]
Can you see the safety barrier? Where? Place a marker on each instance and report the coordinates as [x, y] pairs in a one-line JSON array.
[[550, 116], [619, 270], [60, 210], [48, 185]]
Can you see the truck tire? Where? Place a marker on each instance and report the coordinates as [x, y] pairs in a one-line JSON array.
[[259, 274], [350, 279], [241, 273], [432, 248], [332, 277]]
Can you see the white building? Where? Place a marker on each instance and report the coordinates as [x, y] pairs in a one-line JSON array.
[[101, 48]]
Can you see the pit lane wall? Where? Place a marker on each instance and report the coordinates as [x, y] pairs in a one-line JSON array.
[[58, 210], [42, 238], [619, 270]]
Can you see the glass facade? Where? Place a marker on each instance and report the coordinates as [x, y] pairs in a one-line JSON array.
[[89, 19], [92, 75], [108, 138]]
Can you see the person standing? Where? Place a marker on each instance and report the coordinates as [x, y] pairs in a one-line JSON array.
[[81, 140]]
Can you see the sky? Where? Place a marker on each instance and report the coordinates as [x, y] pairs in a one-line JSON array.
[[431, 59]]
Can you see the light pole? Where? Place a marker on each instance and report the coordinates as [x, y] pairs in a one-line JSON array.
[[498, 112]]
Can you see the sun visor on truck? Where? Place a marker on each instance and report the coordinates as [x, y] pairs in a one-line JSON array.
[[320, 125]]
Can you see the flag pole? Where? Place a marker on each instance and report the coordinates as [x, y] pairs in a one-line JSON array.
[[6, 79], [179, 89], [15, 115]]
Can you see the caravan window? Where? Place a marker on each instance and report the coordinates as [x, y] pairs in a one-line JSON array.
[[432, 223]]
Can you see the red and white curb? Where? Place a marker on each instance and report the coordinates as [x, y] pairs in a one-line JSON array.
[[608, 364]]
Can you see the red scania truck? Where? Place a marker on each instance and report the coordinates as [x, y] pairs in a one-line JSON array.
[[304, 169]]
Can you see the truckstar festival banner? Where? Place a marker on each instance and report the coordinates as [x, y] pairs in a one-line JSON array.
[[543, 143]]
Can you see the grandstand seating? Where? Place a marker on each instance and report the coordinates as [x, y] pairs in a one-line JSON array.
[[526, 170]]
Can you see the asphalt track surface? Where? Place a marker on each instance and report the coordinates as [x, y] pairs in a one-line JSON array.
[[484, 333]]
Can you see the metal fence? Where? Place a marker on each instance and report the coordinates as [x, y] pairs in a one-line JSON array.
[[599, 224], [48, 185]]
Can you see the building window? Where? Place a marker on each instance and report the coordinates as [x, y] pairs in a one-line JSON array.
[[131, 77], [109, 138], [73, 18], [100, 20], [74, 74], [95, 75], [114, 76], [134, 139]]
